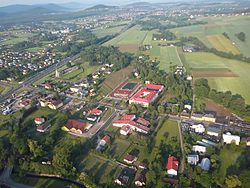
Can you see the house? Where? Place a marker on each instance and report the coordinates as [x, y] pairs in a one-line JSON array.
[[130, 159], [188, 107], [200, 149], [198, 128], [140, 179], [146, 95], [197, 116], [104, 140], [55, 104], [172, 166], [95, 111], [43, 128], [137, 124], [125, 130], [92, 118], [213, 130], [205, 164], [228, 138], [124, 176], [193, 159], [142, 166], [209, 117], [76, 126], [39, 120], [47, 86]]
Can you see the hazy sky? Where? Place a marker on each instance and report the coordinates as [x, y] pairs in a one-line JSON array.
[[8, 2]]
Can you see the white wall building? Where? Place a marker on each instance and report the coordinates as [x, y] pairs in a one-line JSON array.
[[228, 138]]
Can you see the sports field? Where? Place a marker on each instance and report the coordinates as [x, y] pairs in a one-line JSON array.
[[223, 74], [216, 26]]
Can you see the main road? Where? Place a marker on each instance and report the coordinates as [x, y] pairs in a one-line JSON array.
[[38, 76]]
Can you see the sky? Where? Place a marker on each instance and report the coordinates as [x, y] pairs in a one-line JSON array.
[[9, 2]]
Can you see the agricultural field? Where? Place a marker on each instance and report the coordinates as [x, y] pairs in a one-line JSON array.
[[223, 74], [18, 36], [101, 32], [209, 32], [130, 40], [223, 44]]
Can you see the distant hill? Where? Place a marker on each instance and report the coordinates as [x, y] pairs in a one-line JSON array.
[[99, 7], [23, 8]]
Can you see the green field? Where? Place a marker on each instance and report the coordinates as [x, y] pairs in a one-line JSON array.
[[129, 40], [169, 126], [218, 25], [101, 169], [237, 83], [119, 147], [17, 37], [101, 32]]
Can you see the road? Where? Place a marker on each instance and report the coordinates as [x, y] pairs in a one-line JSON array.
[[182, 167], [6, 180], [38, 76]]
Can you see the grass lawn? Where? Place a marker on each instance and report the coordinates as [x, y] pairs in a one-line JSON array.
[[101, 169], [19, 36], [236, 84], [3, 133], [169, 126], [101, 32], [6, 118], [119, 147], [228, 158], [1, 89]]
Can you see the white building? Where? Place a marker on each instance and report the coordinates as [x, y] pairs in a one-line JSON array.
[[199, 128], [200, 149], [228, 138]]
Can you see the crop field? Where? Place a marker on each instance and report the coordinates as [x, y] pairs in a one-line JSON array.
[[223, 44], [101, 32], [130, 40], [216, 26], [223, 74]]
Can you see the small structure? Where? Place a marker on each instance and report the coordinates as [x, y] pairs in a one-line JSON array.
[[130, 159], [205, 164], [228, 138], [124, 176], [198, 128], [248, 141], [43, 128], [213, 130], [104, 140], [39, 120], [172, 166], [95, 111], [193, 159], [200, 149], [125, 130], [140, 179]]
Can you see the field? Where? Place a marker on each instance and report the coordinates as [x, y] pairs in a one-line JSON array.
[[219, 109], [223, 44], [222, 74], [17, 37], [216, 26], [171, 128], [101, 32], [101, 169], [130, 40]]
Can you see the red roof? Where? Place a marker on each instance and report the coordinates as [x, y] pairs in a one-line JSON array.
[[106, 138], [143, 122], [144, 95], [154, 86], [128, 117], [172, 163], [125, 128], [95, 111], [129, 158], [72, 123]]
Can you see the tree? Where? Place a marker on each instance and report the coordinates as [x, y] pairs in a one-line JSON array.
[[35, 149], [161, 109], [232, 181], [69, 65]]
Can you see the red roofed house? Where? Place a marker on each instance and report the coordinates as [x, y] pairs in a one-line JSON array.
[[172, 166], [39, 120], [95, 111], [146, 95], [125, 130], [129, 159], [136, 124], [47, 86], [104, 140], [75, 126]]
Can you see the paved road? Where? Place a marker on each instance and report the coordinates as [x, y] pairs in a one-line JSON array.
[[38, 76], [6, 180]]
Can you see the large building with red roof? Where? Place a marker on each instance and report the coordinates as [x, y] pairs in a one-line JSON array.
[[76, 126], [146, 95], [135, 123], [172, 166]]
